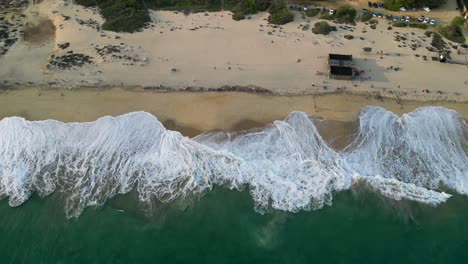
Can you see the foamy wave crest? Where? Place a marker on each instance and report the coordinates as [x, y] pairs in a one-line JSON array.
[[287, 165]]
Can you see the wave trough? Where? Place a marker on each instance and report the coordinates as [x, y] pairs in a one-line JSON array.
[[287, 165]]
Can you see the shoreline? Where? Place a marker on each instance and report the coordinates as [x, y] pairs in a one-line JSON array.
[[379, 94]]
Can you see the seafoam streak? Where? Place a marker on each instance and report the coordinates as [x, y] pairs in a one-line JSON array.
[[286, 165]]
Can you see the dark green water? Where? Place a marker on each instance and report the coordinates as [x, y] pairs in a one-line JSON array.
[[223, 228]]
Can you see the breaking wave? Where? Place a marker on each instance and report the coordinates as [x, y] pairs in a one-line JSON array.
[[286, 165]]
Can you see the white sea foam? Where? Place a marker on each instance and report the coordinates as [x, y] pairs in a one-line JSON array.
[[286, 165]]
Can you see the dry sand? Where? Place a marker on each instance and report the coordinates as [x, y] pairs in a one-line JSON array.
[[193, 113], [212, 50]]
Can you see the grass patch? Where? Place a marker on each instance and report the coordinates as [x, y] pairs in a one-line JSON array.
[[418, 25], [399, 24], [366, 16], [373, 21], [312, 12]]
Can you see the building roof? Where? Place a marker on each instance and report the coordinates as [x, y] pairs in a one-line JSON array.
[[340, 57]]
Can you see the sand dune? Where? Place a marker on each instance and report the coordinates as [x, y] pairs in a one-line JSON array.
[[212, 50]]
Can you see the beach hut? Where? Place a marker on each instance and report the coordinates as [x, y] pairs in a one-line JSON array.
[[341, 73], [340, 66], [340, 60]]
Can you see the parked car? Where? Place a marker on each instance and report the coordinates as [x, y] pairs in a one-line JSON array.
[[402, 9], [426, 20], [427, 9], [389, 17], [380, 5], [332, 12], [433, 22], [395, 18], [375, 5], [421, 19], [379, 15], [407, 19], [403, 18], [369, 4]]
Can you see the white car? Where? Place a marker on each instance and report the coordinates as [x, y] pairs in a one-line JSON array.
[[426, 20], [427, 9], [407, 19], [432, 22], [332, 12], [402, 9]]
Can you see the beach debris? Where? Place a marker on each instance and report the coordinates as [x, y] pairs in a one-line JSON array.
[[68, 61], [63, 45], [89, 23]]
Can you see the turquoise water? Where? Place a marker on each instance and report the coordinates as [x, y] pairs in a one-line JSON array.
[[222, 227]]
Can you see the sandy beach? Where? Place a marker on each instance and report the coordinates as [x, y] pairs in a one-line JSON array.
[[211, 50], [194, 113]]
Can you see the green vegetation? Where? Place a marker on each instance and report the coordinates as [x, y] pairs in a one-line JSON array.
[[395, 5], [373, 21], [418, 25], [399, 24], [279, 14], [132, 15], [458, 21], [437, 41], [453, 31], [248, 7], [366, 16], [120, 15], [321, 27], [344, 14], [312, 12]]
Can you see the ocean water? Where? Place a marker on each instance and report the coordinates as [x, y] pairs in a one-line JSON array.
[[127, 190]]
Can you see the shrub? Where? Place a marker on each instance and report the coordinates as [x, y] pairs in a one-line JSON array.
[[373, 21], [238, 16], [458, 21], [345, 14], [437, 41], [366, 16], [399, 24], [312, 12], [120, 15], [453, 33], [281, 17], [321, 27]]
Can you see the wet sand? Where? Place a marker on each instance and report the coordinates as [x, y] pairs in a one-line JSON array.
[[193, 113]]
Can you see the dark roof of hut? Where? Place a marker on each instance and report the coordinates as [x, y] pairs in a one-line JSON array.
[[340, 70], [340, 57]]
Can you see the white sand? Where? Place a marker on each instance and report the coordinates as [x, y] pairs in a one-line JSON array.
[[225, 52]]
